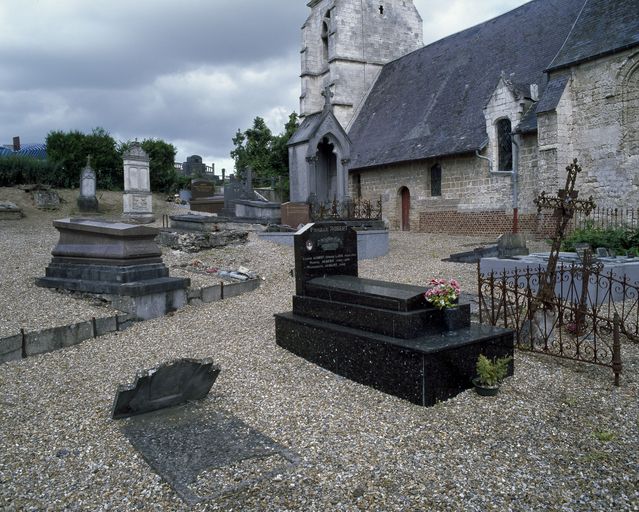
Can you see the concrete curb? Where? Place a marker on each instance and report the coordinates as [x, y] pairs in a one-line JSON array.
[[25, 344]]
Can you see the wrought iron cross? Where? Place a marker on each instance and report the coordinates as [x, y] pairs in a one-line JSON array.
[[565, 204]]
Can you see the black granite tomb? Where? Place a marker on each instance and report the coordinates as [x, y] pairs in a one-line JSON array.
[[385, 335]]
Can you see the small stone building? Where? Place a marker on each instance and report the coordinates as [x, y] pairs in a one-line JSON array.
[[456, 135]]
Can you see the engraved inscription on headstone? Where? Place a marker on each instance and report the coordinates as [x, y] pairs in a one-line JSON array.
[[324, 249]]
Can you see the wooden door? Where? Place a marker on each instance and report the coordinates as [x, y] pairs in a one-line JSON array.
[[405, 209]]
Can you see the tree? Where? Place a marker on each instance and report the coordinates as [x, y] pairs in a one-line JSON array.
[[69, 151], [161, 164], [261, 151]]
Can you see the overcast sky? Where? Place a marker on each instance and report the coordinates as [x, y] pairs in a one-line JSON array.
[[190, 72]]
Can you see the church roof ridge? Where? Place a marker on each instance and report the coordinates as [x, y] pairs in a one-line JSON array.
[[429, 103]]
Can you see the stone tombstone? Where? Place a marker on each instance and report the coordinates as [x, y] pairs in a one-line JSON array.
[[46, 199], [324, 249], [168, 385], [194, 166], [201, 188], [234, 190], [88, 202], [137, 199]]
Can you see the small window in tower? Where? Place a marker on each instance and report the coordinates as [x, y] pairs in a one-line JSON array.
[[325, 43], [381, 9], [504, 145], [436, 180]]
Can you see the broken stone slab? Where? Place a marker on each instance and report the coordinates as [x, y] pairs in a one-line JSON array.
[[170, 384], [46, 199]]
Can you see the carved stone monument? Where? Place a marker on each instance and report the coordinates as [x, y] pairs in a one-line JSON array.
[[88, 202], [138, 201]]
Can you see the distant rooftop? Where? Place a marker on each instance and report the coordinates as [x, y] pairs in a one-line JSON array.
[[35, 150]]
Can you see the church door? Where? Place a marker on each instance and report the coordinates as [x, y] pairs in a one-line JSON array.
[[326, 184], [405, 193]]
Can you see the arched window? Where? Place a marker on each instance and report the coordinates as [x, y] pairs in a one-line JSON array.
[[325, 41], [436, 180], [504, 145]]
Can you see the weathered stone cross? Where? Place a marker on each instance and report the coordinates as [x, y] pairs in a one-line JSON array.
[[565, 205], [327, 97]]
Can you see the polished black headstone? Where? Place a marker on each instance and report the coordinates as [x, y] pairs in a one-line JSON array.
[[324, 249], [204, 454], [168, 385]]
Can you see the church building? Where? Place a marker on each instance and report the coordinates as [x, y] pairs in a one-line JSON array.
[[461, 135]]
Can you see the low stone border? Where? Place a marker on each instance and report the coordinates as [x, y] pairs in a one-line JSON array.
[[28, 344]]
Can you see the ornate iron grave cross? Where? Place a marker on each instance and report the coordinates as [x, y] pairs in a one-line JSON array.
[[565, 204]]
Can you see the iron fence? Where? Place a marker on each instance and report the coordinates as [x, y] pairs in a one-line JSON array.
[[360, 209], [608, 218], [590, 313]]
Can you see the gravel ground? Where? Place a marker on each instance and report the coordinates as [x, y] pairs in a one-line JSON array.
[[559, 436]]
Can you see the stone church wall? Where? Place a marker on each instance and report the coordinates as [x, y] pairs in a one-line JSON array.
[[602, 93]]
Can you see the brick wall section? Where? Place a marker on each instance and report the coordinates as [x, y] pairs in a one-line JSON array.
[[490, 222]]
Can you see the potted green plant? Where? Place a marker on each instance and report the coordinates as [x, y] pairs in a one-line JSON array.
[[490, 373]]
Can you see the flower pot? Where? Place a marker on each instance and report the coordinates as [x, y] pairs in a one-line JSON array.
[[457, 317], [485, 390]]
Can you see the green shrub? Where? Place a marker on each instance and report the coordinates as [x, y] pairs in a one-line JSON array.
[[19, 169], [621, 240], [491, 373]]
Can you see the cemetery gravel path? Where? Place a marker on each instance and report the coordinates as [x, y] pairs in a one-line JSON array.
[[560, 436]]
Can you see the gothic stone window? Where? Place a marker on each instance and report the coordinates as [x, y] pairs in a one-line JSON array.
[[436, 180], [504, 145]]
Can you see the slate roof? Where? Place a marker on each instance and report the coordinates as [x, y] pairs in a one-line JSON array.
[[603, 27], [430, 103], [552, 94], [306, 129], [549, 101]]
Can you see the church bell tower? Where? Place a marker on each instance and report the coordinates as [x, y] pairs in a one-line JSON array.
[[345, 43]]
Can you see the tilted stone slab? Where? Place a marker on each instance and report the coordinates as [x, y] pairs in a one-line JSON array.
[[168, 385]]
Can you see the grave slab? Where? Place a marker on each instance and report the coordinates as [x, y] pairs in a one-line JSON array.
[[10, 211], [204, 454]]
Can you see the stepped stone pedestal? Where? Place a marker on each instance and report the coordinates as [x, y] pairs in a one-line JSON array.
[[115, 259], [381, 334]]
